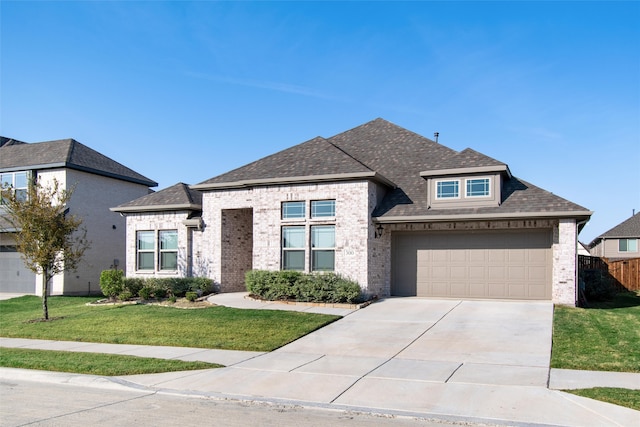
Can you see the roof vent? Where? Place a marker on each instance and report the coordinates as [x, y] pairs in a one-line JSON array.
[[436, 135]]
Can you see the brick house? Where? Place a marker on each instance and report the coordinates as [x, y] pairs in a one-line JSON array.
[[98, 181], [397, 212]]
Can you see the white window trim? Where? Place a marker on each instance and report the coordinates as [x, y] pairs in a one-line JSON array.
[[163, 251], [628, 251], [438, 197], [299, 218], [466, 193], [152, 251]]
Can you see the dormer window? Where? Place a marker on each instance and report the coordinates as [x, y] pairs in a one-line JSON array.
[[448, 189], [478, 187]]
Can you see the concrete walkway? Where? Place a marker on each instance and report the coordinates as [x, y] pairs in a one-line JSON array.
[[477, 361]]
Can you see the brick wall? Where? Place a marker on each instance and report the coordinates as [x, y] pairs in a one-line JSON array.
[[564, 262]]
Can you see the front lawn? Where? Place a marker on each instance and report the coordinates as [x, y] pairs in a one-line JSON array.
[[617, 396], [93, 363], [605, 337], [212, 327]]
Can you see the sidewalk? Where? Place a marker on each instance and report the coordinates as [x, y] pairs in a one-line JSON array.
[[399, 386]]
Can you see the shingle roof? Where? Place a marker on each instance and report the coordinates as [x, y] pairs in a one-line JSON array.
[[4, 141], [399, 156], [176, 197], [627, 228], [67, 153]]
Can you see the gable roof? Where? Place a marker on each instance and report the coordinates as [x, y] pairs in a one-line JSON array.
[[65, 153], [627, 228], [178, 197], [4, 141]]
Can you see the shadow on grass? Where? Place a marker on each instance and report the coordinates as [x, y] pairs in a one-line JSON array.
[[619, 300]]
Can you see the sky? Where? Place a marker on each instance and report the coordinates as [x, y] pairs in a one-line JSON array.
[[183, 91]]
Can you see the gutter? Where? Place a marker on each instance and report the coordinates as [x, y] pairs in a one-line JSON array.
[[156, 208], [487, 216]]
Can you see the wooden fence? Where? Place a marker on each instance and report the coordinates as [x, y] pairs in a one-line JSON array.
[[625, 274]]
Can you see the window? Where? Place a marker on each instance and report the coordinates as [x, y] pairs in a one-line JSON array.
[[478, 187], [168, 249], [323, 243], [323, 208], [447, 189], [145, 250], [18, 181], [293, 210], [293, 248], [628, 245]]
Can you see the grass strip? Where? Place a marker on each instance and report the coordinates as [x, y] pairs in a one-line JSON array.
[[617, 396], [93, 363], [604, 337], [212, 327]]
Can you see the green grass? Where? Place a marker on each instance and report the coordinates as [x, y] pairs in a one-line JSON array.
[[604, 337], [213, 327], [617, 396], [93, 363]]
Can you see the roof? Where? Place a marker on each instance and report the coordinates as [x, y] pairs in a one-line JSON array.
[[382, 151], [64, 153], [175, 198], [627, 228], [9, 141]]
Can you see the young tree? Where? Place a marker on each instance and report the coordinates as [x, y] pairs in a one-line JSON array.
[[50, 240]]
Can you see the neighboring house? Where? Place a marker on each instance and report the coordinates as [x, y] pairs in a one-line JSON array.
[[619, 242], [98, 182], [399, 213], [583, 249]]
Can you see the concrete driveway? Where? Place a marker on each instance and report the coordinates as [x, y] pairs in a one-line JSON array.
[[398, 342]]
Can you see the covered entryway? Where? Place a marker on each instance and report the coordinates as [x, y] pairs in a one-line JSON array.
[[473, 264], [236, 248]]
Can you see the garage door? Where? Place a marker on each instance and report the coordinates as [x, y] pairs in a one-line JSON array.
[[513, 265], [15, 277]]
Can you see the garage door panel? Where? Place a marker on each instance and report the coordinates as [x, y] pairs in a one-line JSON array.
[[490, 264]]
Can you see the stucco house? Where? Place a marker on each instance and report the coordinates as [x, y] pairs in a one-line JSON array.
[[619, 242], [99, 183], [397, 212]]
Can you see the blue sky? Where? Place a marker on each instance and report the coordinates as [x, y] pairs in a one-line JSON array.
[[184, 91]]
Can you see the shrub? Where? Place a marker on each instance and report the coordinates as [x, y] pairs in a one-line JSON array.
[[111, 283], [125, 296], [146, 292], [294, 285], [191, 296], [133, 284], [173, 298], [597, 285]]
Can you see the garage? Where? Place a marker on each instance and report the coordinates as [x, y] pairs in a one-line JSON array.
[[478, 264], [16, 277]]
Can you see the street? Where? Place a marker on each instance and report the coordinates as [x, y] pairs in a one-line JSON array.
[[47, 404]]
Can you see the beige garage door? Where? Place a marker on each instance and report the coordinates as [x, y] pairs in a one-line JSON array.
[[513, 265]]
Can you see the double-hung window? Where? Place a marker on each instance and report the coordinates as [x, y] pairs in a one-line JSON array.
[[448, 189], [323, 208], [323, 244], [168, 249], [293, 247], [164, 249], [628, 245], [145, 248]]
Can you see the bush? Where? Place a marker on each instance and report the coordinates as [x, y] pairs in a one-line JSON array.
[[191, 296], [111, 283], [146, 292], [133, 284], [294, 285], [598, 285], [125, 296]]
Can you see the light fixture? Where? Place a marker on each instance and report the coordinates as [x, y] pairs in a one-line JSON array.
[[379, 230]]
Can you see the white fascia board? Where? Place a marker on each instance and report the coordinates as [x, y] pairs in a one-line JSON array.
[[156, 208]]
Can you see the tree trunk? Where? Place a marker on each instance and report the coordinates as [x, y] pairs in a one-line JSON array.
[[45, 292]]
